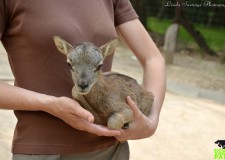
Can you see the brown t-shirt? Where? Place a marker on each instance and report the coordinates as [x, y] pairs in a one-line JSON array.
[[26, 31]]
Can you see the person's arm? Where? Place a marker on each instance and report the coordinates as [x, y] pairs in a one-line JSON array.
[[15, 98], [154, 79]]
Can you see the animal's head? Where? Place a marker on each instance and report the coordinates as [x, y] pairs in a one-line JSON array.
[[85, 61]]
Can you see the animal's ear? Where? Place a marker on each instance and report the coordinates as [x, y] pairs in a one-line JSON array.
[[63, 46], [109, 47]]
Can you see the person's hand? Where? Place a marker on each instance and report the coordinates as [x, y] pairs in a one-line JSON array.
[[141, 127], [76, 116]]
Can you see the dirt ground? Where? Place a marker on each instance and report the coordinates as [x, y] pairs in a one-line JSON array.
[[188, 126]]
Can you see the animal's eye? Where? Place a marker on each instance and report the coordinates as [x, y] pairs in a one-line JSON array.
[[99, 67]]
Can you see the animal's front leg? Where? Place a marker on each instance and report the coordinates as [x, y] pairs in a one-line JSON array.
[[121, 118], [83, 102]]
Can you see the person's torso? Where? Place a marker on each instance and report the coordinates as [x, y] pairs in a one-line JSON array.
[[26, 31]]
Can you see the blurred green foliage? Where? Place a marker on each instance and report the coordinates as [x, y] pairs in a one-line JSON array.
[[215, 36]]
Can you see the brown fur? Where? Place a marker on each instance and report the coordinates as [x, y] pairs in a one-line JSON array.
[[103, 94]]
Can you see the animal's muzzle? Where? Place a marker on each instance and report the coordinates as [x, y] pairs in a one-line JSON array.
[[83, 85]]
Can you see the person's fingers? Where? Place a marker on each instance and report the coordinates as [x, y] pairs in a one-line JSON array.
[[99, 129], [84, 114], [77, 110], [122, 137], [133, 106]]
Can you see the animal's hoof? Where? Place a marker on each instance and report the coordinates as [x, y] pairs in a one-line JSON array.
[[115, 121]]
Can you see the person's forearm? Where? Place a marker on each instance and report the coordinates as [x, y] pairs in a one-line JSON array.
[[154, 76], [15, 98], [154, 80], [150, 58], [66, 109]]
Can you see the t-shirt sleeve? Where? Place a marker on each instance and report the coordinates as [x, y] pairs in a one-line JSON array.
[[123, 12], [2, 18]]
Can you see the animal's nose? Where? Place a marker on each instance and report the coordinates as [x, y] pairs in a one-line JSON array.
[[83, 85]]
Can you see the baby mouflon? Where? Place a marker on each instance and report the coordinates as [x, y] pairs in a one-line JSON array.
[[102, 93]]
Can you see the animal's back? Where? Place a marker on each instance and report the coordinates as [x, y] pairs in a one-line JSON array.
[[129, 87], [113, 90]]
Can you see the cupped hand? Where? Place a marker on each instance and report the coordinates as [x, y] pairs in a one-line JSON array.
[[141, 127], [76, 116]]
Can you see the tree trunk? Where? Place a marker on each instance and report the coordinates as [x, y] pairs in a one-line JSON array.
[[161, 10], [181, 19], [140, 7], [211, 16], [196, 35]]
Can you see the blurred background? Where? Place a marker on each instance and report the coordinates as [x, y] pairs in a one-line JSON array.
[[191, 36], [201, 23]]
